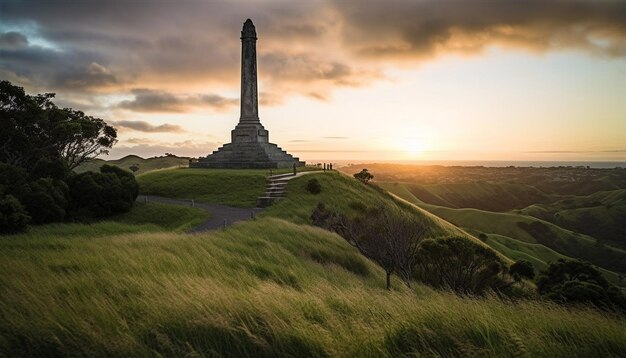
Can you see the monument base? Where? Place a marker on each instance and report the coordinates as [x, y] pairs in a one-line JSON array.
[[248, 155]]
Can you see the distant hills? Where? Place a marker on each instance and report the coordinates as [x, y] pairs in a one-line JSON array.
[[144, 165]]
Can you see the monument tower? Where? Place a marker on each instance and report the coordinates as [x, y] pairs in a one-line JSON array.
[[249, 146]]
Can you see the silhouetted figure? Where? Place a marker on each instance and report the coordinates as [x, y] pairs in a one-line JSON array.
[[331, 166]]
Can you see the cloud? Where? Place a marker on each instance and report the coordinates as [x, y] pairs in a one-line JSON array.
[[91, 77], [304, 48], [143, 126], [147, 100], [13, 40], [422, 29], [336, 138]]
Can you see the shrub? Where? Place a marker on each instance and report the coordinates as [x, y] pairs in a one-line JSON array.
[[522, 268], [127, 178], [46, 200], [482, 236], [54, 168], [459, 264], [13, 217], [576, 281], [111, 191], [12, 179], [313, 186], [364, 176]]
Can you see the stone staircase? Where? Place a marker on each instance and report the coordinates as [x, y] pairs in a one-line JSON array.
[[274, 191]]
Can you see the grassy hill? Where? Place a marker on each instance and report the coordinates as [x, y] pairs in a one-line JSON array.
[[145, 165], [263, 288], [601, 215], [348, 196], [484, 195], [220, 186], [135, 285], [525, 234]]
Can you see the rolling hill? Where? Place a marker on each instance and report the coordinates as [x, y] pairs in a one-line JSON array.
[[145, 165], [526, 235], [261, 288]]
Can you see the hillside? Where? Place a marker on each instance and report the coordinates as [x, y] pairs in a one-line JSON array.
[[263, 288], [135, 285], [515, 235], [145, 165], [601, 215], [485, 196]]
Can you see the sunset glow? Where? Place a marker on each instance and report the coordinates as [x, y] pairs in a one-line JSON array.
[[486, 81]]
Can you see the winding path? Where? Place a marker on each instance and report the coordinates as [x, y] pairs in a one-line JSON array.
[[221, 215]]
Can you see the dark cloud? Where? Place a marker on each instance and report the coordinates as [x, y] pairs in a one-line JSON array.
[[143, 126], [92, 76], [160, 101], [306, 48], [13, 40], [418, 29]]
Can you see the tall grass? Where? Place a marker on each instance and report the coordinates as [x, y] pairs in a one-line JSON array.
[[261, 288]]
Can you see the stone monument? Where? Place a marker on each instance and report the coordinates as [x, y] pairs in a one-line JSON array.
[[249, 146]]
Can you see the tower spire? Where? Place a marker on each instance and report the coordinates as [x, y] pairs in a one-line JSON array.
[[249, 95]]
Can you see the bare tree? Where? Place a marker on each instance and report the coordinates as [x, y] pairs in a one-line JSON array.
[[390, 237]]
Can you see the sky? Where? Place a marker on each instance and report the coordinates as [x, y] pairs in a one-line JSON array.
[[363, 80]]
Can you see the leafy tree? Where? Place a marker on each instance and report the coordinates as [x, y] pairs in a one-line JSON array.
[[522, 268], [131, 187], [55, 168], [111, 191], [313, 186], [46, 200], [12, 179], [33, 127], [364, 176], [13, 217], [576, 281], [134, 167], [459, 264]]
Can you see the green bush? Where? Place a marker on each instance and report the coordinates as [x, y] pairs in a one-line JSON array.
[[522, 268], [46, 200], [576, 281], [101, 194], [459, 264], [364, 176], [313, 186], [13, 217]]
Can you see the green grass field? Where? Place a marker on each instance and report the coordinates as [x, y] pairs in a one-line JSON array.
[[263, 288], [136, 285], [144, 217], [231, 187]]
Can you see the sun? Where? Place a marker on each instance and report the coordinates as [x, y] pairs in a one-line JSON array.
[[413, 146]]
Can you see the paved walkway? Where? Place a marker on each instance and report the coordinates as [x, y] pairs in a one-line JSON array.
[[220, 214]]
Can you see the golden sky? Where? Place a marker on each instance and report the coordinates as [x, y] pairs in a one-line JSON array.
[[338, 80]]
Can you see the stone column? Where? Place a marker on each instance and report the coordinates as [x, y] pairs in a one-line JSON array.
[[249, 96]]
